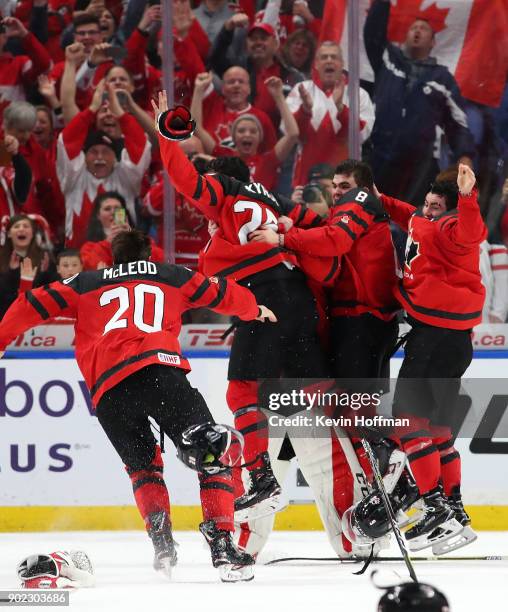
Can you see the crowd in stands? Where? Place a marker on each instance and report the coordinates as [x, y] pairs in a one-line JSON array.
[[79, 157]]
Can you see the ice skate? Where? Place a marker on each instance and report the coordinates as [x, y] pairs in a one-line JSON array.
[[437, 525], [263, 495], [159, 530], [466, 536], [234, 565]]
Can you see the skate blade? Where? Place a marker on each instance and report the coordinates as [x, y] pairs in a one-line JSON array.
[[268, 506], [441, 533], [236, 573], [165, 568], [395, 469], [462, 539]]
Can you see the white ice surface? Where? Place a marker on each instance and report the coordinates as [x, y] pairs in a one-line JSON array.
[[126, 581]]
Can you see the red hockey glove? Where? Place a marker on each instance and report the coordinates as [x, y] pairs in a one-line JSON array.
[[176, 123]]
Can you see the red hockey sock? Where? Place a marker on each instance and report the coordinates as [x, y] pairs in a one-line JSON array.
[[424, 460], [242, 398], [450, 464], [238, 487], [150, 491], [217, 499]]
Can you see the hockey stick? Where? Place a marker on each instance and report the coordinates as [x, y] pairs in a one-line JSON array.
[[388, 507], [352, 560]]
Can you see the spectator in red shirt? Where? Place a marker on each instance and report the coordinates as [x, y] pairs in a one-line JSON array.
[[90, 162], [105, 224], [321, 108], [25, 260], [43, 130], [247, 134], [221, 111], [290, 16], [259, 58], [18, 72], [188, 45], [91, 63], [45, 197], [15, 177], [298, 51], [57, 15]]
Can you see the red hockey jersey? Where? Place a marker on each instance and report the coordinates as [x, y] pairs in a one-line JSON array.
[[442, 284], [237, 208], [127, 316], [359, 235]]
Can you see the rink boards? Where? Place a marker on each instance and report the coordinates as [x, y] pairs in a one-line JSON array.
[[58, 471]]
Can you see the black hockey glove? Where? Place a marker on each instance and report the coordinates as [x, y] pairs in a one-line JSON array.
[[176, 123]]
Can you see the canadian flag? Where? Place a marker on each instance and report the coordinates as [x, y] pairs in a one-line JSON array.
[[471, 39]]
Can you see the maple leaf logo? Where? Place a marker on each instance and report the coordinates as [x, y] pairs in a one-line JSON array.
[[223, 135], [404, 14]]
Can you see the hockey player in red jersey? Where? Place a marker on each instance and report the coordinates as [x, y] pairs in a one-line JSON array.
[[361, 300], [128, 318], [443, 296], [291, 347]]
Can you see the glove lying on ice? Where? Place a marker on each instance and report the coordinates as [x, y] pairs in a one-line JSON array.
[[176, 123], [58, 570]]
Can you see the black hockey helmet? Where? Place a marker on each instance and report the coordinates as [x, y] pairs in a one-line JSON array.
[[366, 521], [210, 447], [413, 597]]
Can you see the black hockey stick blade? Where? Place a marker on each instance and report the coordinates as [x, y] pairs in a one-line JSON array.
[[349, 560], [388, 507]]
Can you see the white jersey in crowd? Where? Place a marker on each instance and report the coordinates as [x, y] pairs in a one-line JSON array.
[[494, 271], [77, 183]]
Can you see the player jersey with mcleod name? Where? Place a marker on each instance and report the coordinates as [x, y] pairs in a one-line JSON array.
[[127, 316], [442, 283]]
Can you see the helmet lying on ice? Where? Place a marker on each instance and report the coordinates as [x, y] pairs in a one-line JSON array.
[[210, 448]]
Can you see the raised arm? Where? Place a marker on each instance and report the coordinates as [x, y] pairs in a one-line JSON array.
[[74, 55], [399, 212], [285, 144], [201, 85], [469, 229], [375, 32], [205, 192]]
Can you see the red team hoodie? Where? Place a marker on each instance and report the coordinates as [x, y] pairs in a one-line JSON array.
[[442, 284]]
